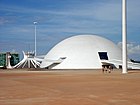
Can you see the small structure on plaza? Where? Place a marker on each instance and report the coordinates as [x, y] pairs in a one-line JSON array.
[[29, 61]]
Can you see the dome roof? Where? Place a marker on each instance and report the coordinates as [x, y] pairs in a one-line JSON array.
[[81, 52]]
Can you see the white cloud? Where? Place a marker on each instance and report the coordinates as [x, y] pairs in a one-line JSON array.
[[133, 50]]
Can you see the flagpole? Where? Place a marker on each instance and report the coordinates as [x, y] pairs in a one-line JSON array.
[[124, 38]]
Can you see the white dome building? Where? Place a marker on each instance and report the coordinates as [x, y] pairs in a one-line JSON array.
[[82, 52]]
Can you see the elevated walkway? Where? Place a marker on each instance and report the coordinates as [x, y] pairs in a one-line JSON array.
[[131, 65]]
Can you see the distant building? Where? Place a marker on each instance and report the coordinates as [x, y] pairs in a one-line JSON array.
[[14, 59]]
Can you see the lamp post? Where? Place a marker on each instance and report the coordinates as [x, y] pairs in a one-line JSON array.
[[35, 23], [124, 37]]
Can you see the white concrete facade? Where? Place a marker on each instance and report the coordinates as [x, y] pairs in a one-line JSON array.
[[80, 52]]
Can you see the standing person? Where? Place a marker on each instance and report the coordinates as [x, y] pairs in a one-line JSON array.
[[110, 68], [103, 68], [106, 69]]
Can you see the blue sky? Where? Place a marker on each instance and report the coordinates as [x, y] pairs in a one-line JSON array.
[[60, 19]]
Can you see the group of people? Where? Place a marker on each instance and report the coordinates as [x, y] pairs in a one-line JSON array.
[[107, 68]]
